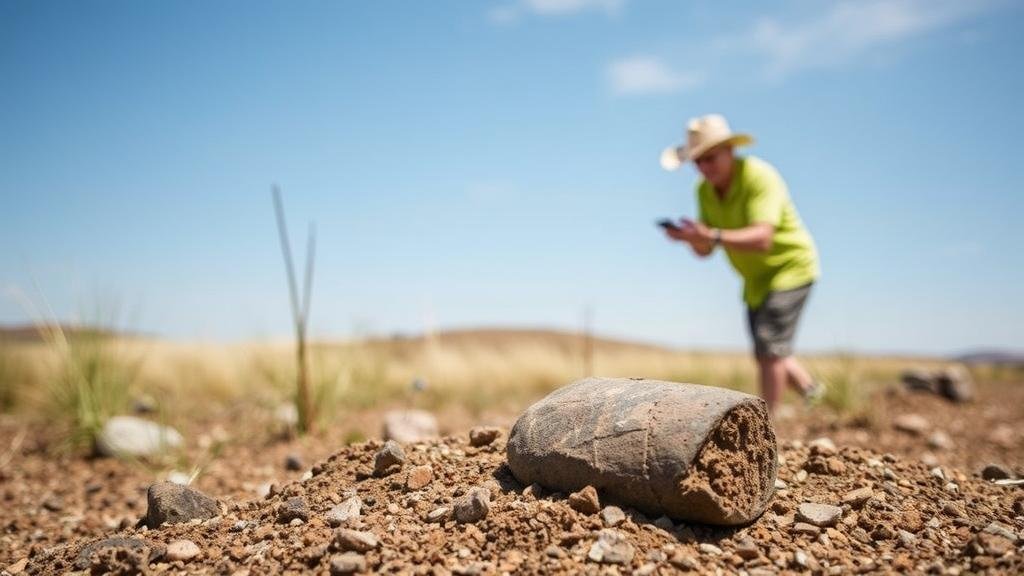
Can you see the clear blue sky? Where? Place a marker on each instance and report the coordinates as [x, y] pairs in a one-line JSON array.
[[496, 163]]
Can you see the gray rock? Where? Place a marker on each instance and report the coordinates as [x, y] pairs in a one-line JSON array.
[[483, 435], [137, 438], [390, 455], [344, 512], [473, 506], [181, 550], [612, 516], [355, 540], [918, 379], [437, 514], [347, 563], [294, 508], [293, 462], [84, 559], [172, 504], [611, 547], [911, 423], [995, 472], [409, 426], [821, 515], [955, 384], [652, 445]]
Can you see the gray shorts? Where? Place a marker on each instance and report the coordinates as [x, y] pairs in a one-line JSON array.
[[773, 323]]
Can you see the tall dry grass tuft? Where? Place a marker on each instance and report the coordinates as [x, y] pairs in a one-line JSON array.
[[300, 314]]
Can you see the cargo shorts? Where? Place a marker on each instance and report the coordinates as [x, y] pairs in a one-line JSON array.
[[773, 323]]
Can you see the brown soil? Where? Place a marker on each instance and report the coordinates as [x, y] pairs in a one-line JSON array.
[[916, 519], [733, 474]]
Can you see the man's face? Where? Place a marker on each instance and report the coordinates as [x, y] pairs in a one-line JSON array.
[[716, 165]]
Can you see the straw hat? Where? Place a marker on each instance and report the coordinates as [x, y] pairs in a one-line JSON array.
[[702, 134]]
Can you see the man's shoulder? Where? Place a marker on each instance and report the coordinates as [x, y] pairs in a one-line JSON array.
[[760, 174]]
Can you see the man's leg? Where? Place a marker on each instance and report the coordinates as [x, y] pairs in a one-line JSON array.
[[799, 377], [773, 379]]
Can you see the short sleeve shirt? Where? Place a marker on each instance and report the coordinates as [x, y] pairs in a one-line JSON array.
[[758, 195]]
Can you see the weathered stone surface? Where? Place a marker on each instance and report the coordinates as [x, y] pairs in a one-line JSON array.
[[419, 477], [135, 437], [995, 472], [84, 559], [611, 547], [355, 540], [911, 423], [408, 426], [483, 435], [473, 506], [181, 550], [955, 383], [173, 504], [292, 509], [347, 563], [390, 455], [613, 516], [585, 501], [657, 446], [344, 512], [821, 515]]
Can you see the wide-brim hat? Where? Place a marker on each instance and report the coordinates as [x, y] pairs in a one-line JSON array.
[[702, 134]]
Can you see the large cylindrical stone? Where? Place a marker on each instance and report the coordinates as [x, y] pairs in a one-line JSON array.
[[695, 453]]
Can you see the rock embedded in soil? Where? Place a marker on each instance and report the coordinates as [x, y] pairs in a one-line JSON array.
[[911, 423], [473, 506], [172, 504], [585, 501], [388, 458], [612, 516], [419, 477], [293, 462], [857, 498], [355, 540], [294, 508], [611, 547], [136, 438], [483, 435], [995, 472], [695, 453], [347, 563], [343, 513], [85, 557], [181, 550], [821, 515], [408, 426]]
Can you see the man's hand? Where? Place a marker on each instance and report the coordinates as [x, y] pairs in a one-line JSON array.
[[696, 234]]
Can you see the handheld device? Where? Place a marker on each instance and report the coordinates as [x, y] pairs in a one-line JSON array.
[[668, 224]]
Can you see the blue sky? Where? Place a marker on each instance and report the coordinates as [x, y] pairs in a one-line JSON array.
[[496, 163]]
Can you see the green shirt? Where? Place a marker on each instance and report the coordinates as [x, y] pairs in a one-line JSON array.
[[758, 195]]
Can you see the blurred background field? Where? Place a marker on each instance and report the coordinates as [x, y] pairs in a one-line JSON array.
[[85, 376]]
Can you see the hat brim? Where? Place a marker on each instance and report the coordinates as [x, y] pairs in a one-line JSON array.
[[673, 157]]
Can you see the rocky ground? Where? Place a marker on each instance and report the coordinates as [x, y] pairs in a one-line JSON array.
[[884, 494]]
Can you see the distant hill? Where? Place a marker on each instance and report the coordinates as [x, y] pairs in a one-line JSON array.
[[991, 357], [29, 333]]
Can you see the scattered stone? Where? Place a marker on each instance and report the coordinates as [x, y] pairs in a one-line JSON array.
[[907, 539], [473, 506], [172, 503], [665, 523], [995, 472], [410, 426], [612, 516], [345, 512], [483, 435], [911, 423], [821, 515], [805, 528], [388, 458], [611, 547], [293, 462], [939, 440], [698, 430], [136, 438], [419, 477], [346, 539], [823, 446], [585, 501], [955, 384], [857, 498], [347, 563], [780, 484], [134, 545], [294, 508], [437, 514], [181, 550], [709, 549], [747, 549]]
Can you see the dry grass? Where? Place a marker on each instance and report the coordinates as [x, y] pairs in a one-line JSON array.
[[500, 371]]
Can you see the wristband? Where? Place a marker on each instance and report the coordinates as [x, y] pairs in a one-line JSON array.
[[717, 236]]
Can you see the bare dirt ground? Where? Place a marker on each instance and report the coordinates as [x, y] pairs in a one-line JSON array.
[[912, 501]]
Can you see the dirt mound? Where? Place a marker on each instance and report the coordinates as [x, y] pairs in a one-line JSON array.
[[895, 516]]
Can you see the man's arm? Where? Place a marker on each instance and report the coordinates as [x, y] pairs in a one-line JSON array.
[[754, 238]]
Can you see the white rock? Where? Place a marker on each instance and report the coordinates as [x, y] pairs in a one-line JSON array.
[[183, 550], [135, 437], [409, 426]]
